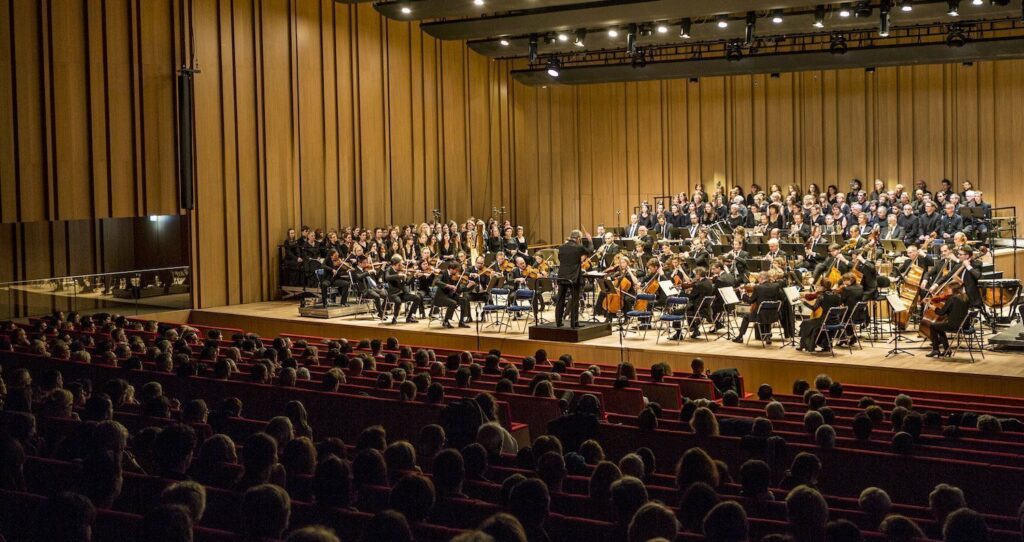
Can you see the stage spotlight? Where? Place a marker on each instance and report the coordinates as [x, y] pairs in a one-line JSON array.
[[862, 10], [662, 28], [733, 51], [723, 21], [553, 67], [549, 38], [953, 8], [777, 16], [684, 29], [533, 48], [581, 35], [819, 16], [837, 45], [646, 30], [1000, 2], [956, 37], [562, 36], [883, 23], [613, 33], [845, 11], [748, 34], [631, 40], [906, 6]]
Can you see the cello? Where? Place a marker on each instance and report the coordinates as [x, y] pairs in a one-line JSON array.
[[650, 288], [936, 299], [613, 301]]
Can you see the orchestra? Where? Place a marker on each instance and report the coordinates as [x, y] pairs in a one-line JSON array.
[[838, 248]]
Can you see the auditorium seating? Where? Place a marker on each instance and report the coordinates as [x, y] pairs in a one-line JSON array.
[[987, 467]]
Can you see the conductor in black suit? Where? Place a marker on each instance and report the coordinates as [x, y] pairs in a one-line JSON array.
[[570, 276]]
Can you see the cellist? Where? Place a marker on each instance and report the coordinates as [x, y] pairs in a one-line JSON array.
[[621, 297], [826, 299], [955, 310]]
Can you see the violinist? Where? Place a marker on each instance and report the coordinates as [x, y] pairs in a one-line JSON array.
[[336, 276], [955, 311], [946, 264], [502, 265], [368, 284], [424, 280], [399, 292], [825, 299], [449, 283], [702, 287], [478, 278], [763, 291]]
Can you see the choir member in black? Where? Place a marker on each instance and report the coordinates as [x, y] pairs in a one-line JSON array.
[[951, 222], [336, 276], [953, 314], [399, 291], [763, 291], [570, 276], [892, 229], [929, 222], [702, 288], [494, 241], [908, 221], [293, 261], [521, 239], [869, 275], [736, 218], [309, 250], [811, 327], [332, 242], [448, 295], [835, 259], [368, 284], [509, 244]]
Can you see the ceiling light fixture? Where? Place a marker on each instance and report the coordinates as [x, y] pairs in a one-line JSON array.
[[723, 21], [533, 48], [748, 33], [581, 35], [777, 16], [612, 33], [883, 23], [504, 42], [662, 28], [862, 10], [631, 40], [478, 2], [406, 10], [553, 67], [844, 10], [819, 16], [906, 6], [953, 8], [562, 36], [684, 29]]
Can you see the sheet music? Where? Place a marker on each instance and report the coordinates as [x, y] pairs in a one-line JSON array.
[[792, 294], [895, 302], [669, 288], [729, 296]]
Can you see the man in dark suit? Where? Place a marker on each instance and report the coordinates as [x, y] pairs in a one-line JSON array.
[[835, 258], [570, 276], [915, 257], [633, 228], [663, 228], [739, 258], [448, 296], [335, 276], [811, 327], [764, 291], [399, 291], [929, 222], [969, 276], [702, 287], [869, 275], [609, 248], [852, 292], [908, 221], [954, 311]]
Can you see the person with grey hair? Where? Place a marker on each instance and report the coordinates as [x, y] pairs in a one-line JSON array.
[[570, 276]]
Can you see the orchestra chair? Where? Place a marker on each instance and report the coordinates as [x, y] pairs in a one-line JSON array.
[[641, 320], [971, 336], [860, 318], [391, 305], [515, 310], [765, 319], [495, 308], [833, 328], [699, 317], [332, 292], [367, 303], [667, 319]]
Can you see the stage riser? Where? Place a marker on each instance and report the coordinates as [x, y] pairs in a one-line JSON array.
[[770, 365]]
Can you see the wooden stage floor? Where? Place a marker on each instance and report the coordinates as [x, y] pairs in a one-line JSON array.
[[1000, 373]]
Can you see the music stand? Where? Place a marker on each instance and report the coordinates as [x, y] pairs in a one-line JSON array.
[[896, 305], [718, 250], [729, 301], [894, 246], [974, 213]]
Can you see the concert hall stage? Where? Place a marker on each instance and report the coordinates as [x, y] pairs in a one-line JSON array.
[[1000, 373]]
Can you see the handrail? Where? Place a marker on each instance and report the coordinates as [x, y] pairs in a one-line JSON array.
[[67, 277]]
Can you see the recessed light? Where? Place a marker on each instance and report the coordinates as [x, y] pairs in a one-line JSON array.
[[662, 28], [406, 10], [723, 22], [612, 33], [504, 42], [562, 36], [478, 2]]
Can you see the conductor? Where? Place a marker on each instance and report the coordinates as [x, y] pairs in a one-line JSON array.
[[570, 276]]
